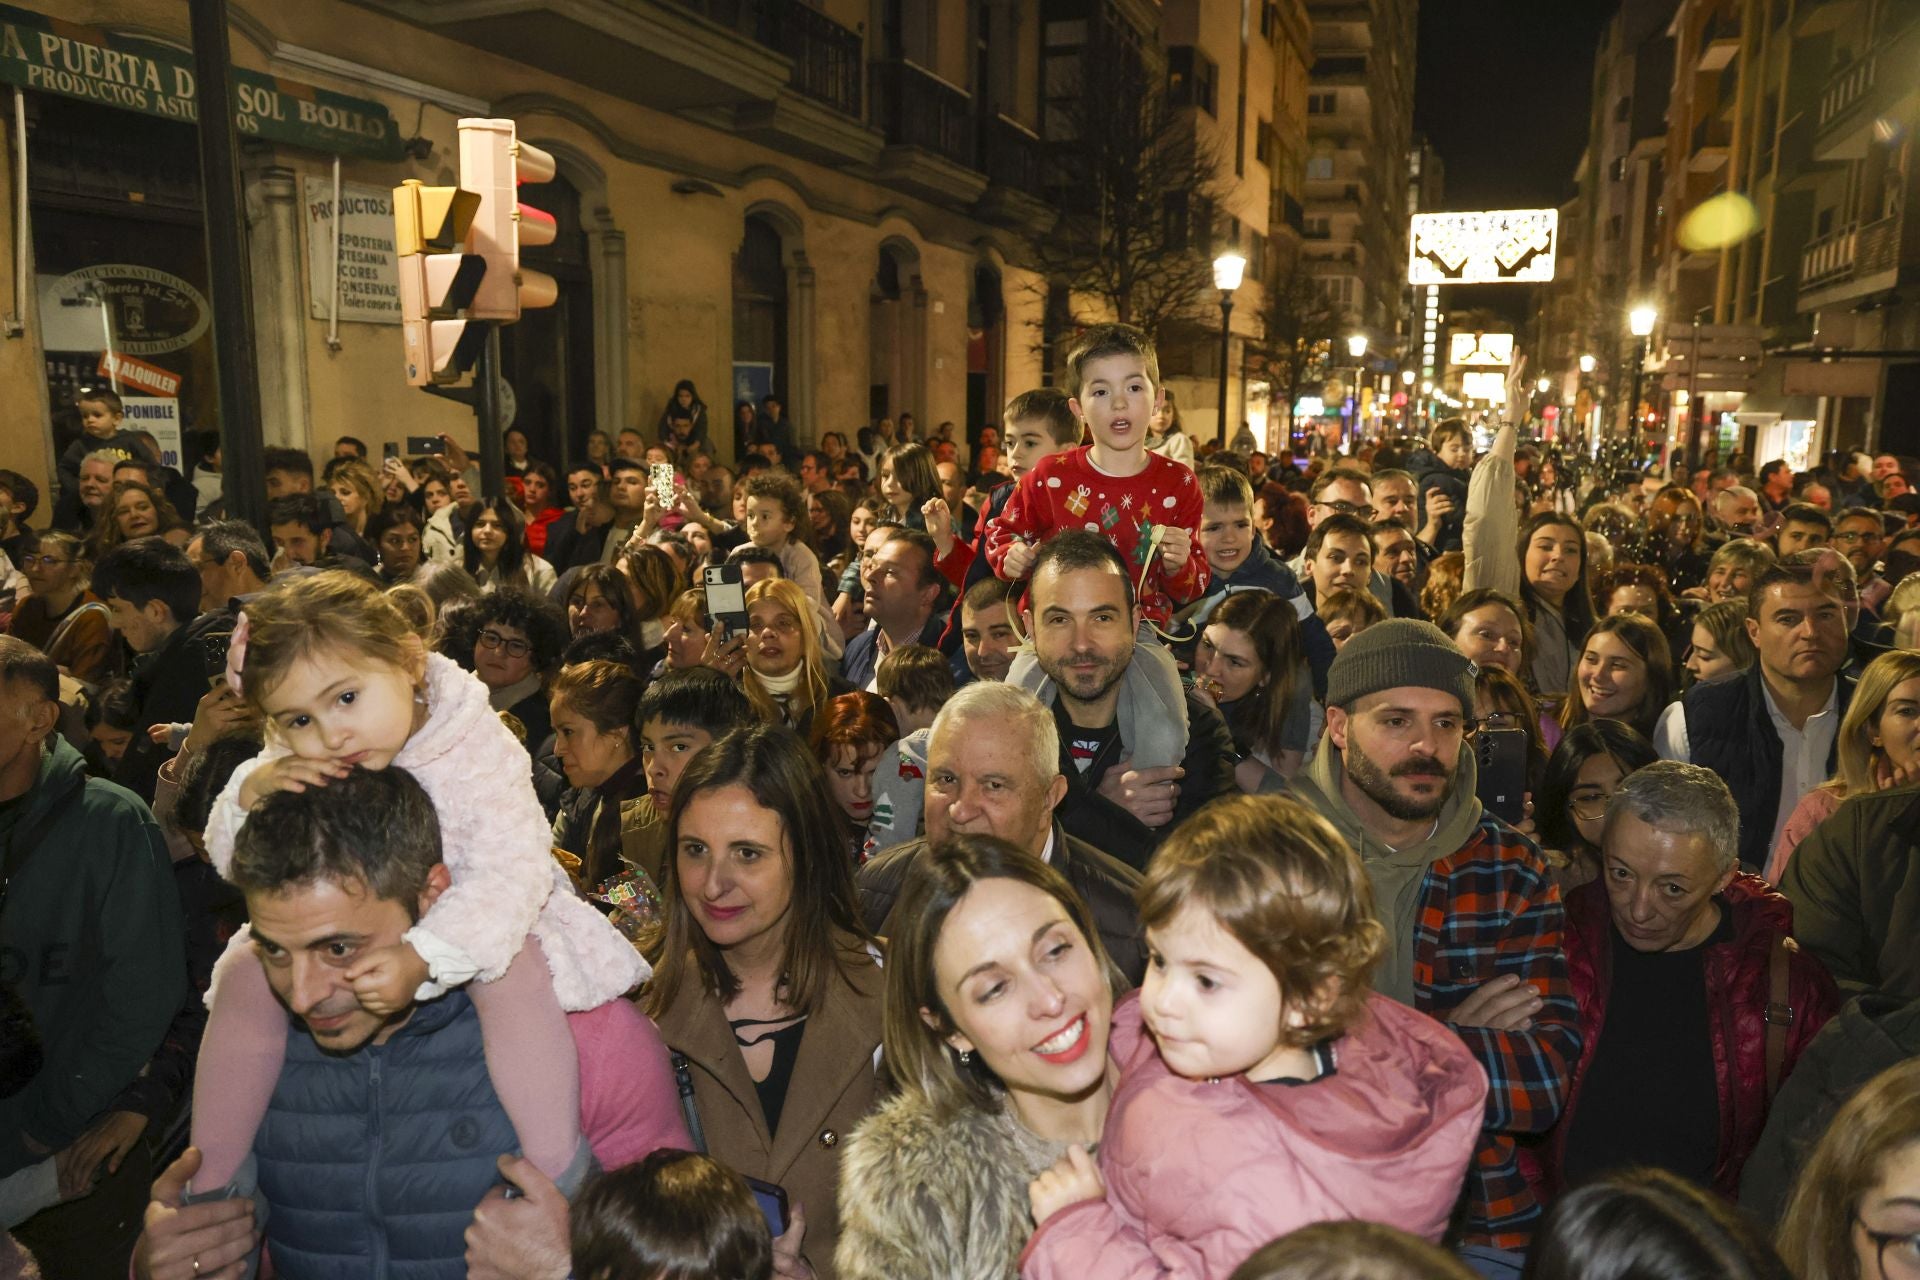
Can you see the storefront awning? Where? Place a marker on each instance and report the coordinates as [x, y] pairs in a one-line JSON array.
[[51, 55]]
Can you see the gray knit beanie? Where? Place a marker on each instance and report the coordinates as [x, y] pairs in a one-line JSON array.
[[1400, 653]]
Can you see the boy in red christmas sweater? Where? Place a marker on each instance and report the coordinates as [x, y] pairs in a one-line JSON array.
[[1112, 487]]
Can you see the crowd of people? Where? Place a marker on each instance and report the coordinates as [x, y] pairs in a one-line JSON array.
[[1065, 849]]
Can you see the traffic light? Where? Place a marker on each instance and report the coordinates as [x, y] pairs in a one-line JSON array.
[[493, 164], [438, 280]]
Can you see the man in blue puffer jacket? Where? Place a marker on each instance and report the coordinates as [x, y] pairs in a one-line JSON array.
[[384, 1133]]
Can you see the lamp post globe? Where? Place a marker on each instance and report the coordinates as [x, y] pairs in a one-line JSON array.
[[1228, 270]]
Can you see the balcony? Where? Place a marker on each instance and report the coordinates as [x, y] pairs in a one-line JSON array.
[[819, 115], [1871, 88], [1719, 43], [1859, 261], [1016, 176], [1829, 258], [1711, 139], [929, 131], [691, 56]]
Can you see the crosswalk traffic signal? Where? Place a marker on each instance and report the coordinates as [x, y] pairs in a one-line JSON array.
[[494, 164], [438, 280]]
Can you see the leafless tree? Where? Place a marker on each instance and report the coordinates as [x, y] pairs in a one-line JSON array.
[[1137, 178], [1300, 324]]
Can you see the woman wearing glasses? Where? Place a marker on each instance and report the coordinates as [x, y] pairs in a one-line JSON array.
[[512, 641], [1570, 808], [1855, 1212], [62, 618], [786, 678]]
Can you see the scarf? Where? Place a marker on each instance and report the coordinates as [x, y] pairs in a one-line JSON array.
[[782, 686], [510, 696], [1396, 873]]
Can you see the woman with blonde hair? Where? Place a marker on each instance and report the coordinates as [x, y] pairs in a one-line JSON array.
[[361, 493], [1850, 1216], [1878, 747], [135, 509], [786, 676], [1719, 645]]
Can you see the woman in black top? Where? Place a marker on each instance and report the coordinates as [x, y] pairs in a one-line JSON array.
[[767, 981]]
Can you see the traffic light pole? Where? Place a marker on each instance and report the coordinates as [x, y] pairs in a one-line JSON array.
[[243, 478], [486, 408]]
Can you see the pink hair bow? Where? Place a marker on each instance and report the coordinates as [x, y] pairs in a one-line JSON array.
[[237, 653]]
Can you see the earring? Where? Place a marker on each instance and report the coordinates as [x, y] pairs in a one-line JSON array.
[[420, 695], [966, 1057]]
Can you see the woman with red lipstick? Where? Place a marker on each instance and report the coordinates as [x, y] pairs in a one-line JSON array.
[[999, 999], [768, 982]]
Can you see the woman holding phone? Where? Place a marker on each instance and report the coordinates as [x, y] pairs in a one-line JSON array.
[[768, 984]]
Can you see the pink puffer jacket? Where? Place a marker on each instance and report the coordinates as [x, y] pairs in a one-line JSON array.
[[1200, 1175]]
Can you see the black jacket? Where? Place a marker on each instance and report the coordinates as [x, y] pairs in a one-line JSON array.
[[1089, 816], [1104, 882], [1730, 732], [167, 687], [568, 548], [1866, 1037]]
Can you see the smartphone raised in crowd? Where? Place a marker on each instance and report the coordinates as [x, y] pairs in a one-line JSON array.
[[1501, 755], [428, 446], [726, 598], [660, 480]]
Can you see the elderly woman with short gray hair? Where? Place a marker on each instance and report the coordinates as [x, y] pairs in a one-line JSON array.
[[1676, 958]]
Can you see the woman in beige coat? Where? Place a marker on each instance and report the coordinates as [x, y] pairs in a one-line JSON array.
[[768, 985]]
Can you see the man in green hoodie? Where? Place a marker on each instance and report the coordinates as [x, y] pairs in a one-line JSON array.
[[1472, 916], [91, 936]]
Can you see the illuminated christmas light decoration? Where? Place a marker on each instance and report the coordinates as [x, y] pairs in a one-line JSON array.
[[1506, 246]]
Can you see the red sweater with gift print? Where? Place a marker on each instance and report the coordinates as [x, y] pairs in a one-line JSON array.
[[1066, 491]]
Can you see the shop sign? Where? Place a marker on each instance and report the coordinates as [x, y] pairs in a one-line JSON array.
[[161, 416], [56, 56], [369, 285], [147, 312], [123, 370]]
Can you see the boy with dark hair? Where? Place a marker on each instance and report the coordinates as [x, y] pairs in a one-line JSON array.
[[1241, 561], [153, 593], [680, 715], [288, 471], [916, 682]]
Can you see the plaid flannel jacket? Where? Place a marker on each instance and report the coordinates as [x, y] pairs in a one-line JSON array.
[[1487, 910]]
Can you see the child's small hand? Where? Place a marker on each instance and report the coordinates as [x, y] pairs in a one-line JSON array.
[[1019, 561], [289, 773], [1176, 548], [1073, 1179], [386, 978], [939, 520]]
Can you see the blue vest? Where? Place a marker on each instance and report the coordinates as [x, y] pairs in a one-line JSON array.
[[373, 1161]]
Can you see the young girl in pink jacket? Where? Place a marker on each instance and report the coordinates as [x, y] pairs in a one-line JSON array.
[[1263, 1086]]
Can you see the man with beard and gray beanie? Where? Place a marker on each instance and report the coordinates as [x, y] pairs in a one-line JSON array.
[[1472, 916]]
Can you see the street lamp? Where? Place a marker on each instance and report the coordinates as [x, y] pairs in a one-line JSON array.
[[1544, 385], [1640, 322], [1228, 269], [1586, 364], [1357, 348]]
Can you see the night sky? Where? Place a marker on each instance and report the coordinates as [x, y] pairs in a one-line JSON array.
[[1502, 91]]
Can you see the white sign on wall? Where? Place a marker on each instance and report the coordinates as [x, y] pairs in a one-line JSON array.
[[161, 416], [369, 286], [1489, 387], [1505, 246]]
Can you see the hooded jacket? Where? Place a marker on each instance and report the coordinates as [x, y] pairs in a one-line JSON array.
[[1202, 1173], [1737, 974], [90, 935], [1486, 908]]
